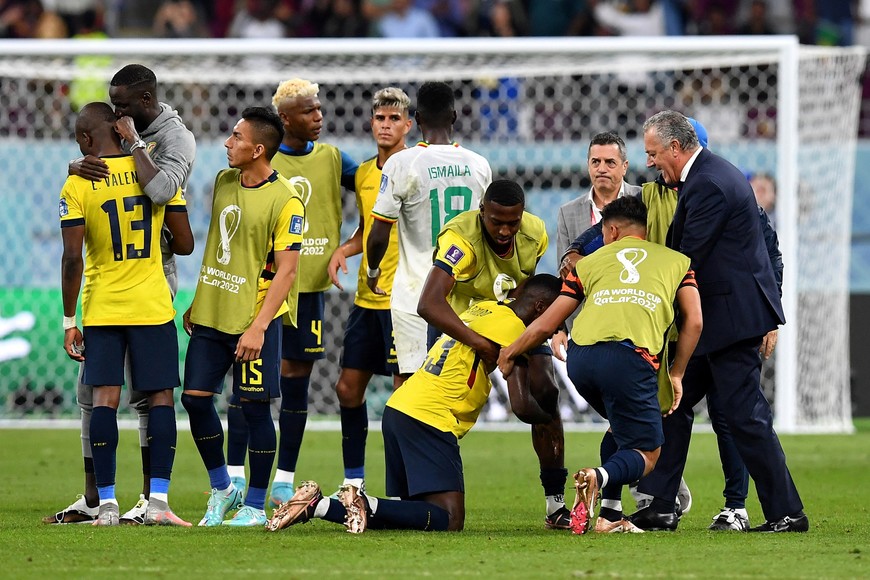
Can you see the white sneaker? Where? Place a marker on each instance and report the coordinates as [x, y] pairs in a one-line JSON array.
[[684, 497], [77, 512], [730, 519], [358, 483], [136, 515], [108, 515]]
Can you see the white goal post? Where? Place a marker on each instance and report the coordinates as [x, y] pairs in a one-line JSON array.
[[529, 105]]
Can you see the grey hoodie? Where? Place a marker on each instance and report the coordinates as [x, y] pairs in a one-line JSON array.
[[172, 147]]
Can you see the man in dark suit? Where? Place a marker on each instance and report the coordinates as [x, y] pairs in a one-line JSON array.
[[716, 224]]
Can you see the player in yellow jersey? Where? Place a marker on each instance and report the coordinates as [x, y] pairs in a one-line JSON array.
[[483, 255], [126, 305], [368, 339], [423, 422], [319, 171], [248, 271]]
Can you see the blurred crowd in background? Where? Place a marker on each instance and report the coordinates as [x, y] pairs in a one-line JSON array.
[[824, 22]]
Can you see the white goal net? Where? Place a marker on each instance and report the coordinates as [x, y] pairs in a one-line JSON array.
[[529, 105]]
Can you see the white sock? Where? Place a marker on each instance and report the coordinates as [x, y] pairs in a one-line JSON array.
[[742, 512], [236, 471], [555, 503], [110, 500], [357, 482], [164, 497], [321, 508], [373, 503], [282, 476], [613, 504], [604, 477]]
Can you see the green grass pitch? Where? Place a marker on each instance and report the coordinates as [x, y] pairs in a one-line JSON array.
[[503, 537]]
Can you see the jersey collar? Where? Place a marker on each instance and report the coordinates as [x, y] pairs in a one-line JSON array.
[[286, 150]]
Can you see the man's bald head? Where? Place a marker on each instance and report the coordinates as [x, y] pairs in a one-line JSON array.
[[95, 129]]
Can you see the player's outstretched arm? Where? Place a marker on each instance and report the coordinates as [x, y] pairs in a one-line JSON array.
[[72, 266], [251, 341], [435, 310], [523, 404], [689, 301], [351, 247], [178, 224], [538, 331]]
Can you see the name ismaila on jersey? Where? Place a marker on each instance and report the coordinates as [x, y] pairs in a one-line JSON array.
[[440, 171]]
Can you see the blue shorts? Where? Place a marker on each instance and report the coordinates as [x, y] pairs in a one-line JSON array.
[[153, 352], [420, 459], [305, 342], [211, 353], [620, 384], [362, 349]]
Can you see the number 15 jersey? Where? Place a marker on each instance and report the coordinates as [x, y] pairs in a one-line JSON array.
[[124, 280], [423, 188]]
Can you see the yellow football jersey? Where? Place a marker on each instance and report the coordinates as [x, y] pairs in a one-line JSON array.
[[449, 390], [368, 181], [124, 280]]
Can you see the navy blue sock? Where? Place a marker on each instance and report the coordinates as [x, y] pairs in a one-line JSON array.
[[292, 420], [412, 515], [206, 428], [261, 443], [237, 433], [354, 431], [607, 449], [336, 512], [162, 437], [104, 444], [623, 467], [553, 480]]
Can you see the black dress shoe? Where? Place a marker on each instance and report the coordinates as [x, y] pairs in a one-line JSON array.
[[794, 523], [651, 521]]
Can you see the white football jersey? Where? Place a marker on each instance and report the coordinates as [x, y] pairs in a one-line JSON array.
[[422, 188]]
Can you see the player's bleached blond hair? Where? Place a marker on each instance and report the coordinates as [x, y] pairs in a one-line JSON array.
[[392, 97], [294, 88]]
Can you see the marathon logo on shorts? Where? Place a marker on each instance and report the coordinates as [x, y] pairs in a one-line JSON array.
[[296, 223], [384, 181], [454, 254], [63, 208]]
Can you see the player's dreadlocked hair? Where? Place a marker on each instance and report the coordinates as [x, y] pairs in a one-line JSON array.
[[135, 76]]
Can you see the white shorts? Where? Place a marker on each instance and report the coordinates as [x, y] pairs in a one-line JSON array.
[[409, 332]]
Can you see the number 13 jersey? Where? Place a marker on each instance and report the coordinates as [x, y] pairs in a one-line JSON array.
[[124, 280], [423, 188]]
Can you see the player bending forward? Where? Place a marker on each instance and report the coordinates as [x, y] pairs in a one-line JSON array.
[[422, 424]]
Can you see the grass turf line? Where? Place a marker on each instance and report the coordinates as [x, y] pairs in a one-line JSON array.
[[504, 535]]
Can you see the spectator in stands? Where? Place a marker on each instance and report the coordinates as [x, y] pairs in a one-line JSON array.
[[764, 187], [334, 19], [178, 19], [502, 18], [401, 19], [50, 25], [261, 19], [451, 15], [757, 22], [636, 18], [706, 17], [18, 18], [560, 18]]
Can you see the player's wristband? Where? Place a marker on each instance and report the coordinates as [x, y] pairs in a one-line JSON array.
[[373, 273], [138, 144], [69, 322]]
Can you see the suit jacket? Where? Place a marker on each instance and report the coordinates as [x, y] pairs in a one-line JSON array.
[[717, 225], [574, 219]]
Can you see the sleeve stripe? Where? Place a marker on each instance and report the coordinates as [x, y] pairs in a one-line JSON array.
[[72, 222], [444, 266], [177, 208], [383, 218]]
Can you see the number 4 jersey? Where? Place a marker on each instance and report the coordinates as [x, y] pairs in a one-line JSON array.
[[124, 280], [423, 188]]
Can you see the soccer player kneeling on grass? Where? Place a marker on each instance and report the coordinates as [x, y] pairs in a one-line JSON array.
[[630, 286], [422, 425]]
